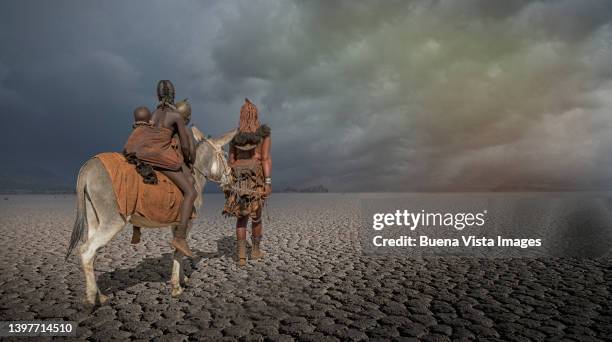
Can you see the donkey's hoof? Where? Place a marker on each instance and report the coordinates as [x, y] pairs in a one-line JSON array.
[[185, 280], [102, 299], [88, 306], [177, 291]]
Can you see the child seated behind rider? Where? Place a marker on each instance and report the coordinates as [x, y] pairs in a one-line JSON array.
[[142, 116]]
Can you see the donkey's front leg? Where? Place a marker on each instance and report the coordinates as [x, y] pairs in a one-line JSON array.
[[177, 266], [177, 290]]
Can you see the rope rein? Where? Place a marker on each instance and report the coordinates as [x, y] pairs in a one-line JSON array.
[[220, 157]]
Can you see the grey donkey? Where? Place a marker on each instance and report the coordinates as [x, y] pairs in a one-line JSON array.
[[98, 211]]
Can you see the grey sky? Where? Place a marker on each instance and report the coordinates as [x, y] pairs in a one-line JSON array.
[[360, 95]]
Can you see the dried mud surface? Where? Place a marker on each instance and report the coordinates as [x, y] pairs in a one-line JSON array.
[[313, 285]]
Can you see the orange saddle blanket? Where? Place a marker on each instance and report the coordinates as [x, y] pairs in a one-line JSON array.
[[146, 205]]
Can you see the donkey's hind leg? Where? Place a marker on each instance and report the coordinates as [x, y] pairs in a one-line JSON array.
[[96, 241], [103, 212]]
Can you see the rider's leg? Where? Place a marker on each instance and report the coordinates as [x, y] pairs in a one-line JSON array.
[[241, 225], [188, 174], [256, 235], [184, 183]]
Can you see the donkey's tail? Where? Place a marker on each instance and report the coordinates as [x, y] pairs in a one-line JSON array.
[[80, 224]]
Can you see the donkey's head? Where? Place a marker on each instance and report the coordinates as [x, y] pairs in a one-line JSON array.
[[211, 159]]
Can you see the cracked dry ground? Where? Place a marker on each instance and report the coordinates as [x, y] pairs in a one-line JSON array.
[[314, 285]]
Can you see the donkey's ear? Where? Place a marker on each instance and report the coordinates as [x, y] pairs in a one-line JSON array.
[[199, 136], [225, 138]]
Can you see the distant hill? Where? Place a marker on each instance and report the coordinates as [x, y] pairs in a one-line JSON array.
[[31, 179], [312, 189]]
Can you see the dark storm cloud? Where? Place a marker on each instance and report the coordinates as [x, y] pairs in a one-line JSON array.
[[440, 94], [394, 95], [74, 72]]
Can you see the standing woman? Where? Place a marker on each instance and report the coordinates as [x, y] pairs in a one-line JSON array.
[[251, 163]]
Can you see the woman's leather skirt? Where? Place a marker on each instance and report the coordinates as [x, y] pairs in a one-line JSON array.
[[246, 195]]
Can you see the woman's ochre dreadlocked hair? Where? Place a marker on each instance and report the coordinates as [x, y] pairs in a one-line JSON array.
[[249, 120]]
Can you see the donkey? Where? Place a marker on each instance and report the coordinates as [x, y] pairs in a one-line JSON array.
[[98, 211]]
